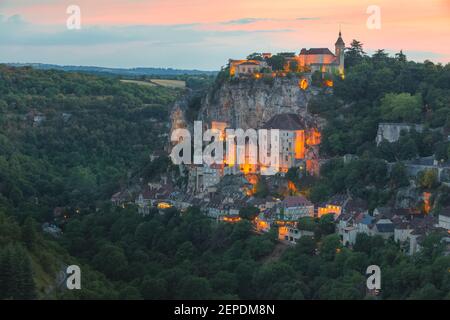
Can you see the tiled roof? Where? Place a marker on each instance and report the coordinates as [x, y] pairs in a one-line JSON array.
[[296, 201], [385, 227], [317, 51], [355, 205]]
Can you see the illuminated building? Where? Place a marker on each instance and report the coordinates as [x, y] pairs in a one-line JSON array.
[[319, 59], [298, 139], [293, 208], [245, 68]]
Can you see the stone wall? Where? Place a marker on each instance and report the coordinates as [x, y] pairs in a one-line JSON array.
[[391, 131]]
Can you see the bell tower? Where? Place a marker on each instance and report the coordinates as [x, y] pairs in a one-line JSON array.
[[339, 52]]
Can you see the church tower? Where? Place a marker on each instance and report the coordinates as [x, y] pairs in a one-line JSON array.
[[339, 52]]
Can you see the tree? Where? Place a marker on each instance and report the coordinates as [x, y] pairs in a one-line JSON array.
[[354, 54], [261, 188], [325, 226], [401, 57], [398, 176], [255, 56], [195, 288], [428, 179], [306, 245], [293, 66], [331, 245], [29, 235], [401, 107], [111, 260], [380, 56], [276, 62], [154, 289], [249, 212]]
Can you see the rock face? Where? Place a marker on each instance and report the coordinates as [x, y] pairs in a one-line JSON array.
[[249, 103], [408, 197], [391, 131]]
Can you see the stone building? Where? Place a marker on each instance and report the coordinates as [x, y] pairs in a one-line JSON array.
[[319, 59]]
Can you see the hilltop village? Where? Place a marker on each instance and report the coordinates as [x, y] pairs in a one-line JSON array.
[[266, 92]]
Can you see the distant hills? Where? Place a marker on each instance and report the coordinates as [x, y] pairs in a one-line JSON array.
[[132, 72]]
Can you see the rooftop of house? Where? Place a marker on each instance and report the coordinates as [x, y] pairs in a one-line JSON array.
[[296, 201], [445, 212], [250, 63], [385, 226], [367, 219], [305, 51], [355, 205], [429, 162], [336, 200]]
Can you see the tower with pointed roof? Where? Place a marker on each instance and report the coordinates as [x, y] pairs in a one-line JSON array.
[[339, 52]]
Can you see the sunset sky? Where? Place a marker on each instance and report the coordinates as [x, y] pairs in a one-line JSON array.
[[203, 34]]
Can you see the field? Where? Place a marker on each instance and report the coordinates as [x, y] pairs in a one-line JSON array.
[[159, 82], [141, 83]]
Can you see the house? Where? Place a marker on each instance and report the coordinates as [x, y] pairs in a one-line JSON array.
[[293, 234], [384, 228], [414, 167], [263, 203], [51, 229], [349, 235], [444, 219], [364, 223], [36, 117], [246, 68], [120, 198], [334, 205], [402, 232], [294, 207], [261, 223], [342, 221], [160, 197], [144, 201], [383, 212], [415, 238], [203, 177]]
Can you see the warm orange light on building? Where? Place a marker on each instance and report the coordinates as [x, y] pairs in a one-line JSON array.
[[303, 84], [282, 232], [292, 187], [299, 144], [314, 137], [336, 210], [164, 205], [328, 83], [261, 225], [426, 202], [231, 219]]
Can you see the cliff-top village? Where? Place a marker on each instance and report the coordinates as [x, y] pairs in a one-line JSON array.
[[223, 190]]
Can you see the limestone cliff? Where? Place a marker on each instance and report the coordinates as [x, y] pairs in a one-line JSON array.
[[249, 103], [244, 103]]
